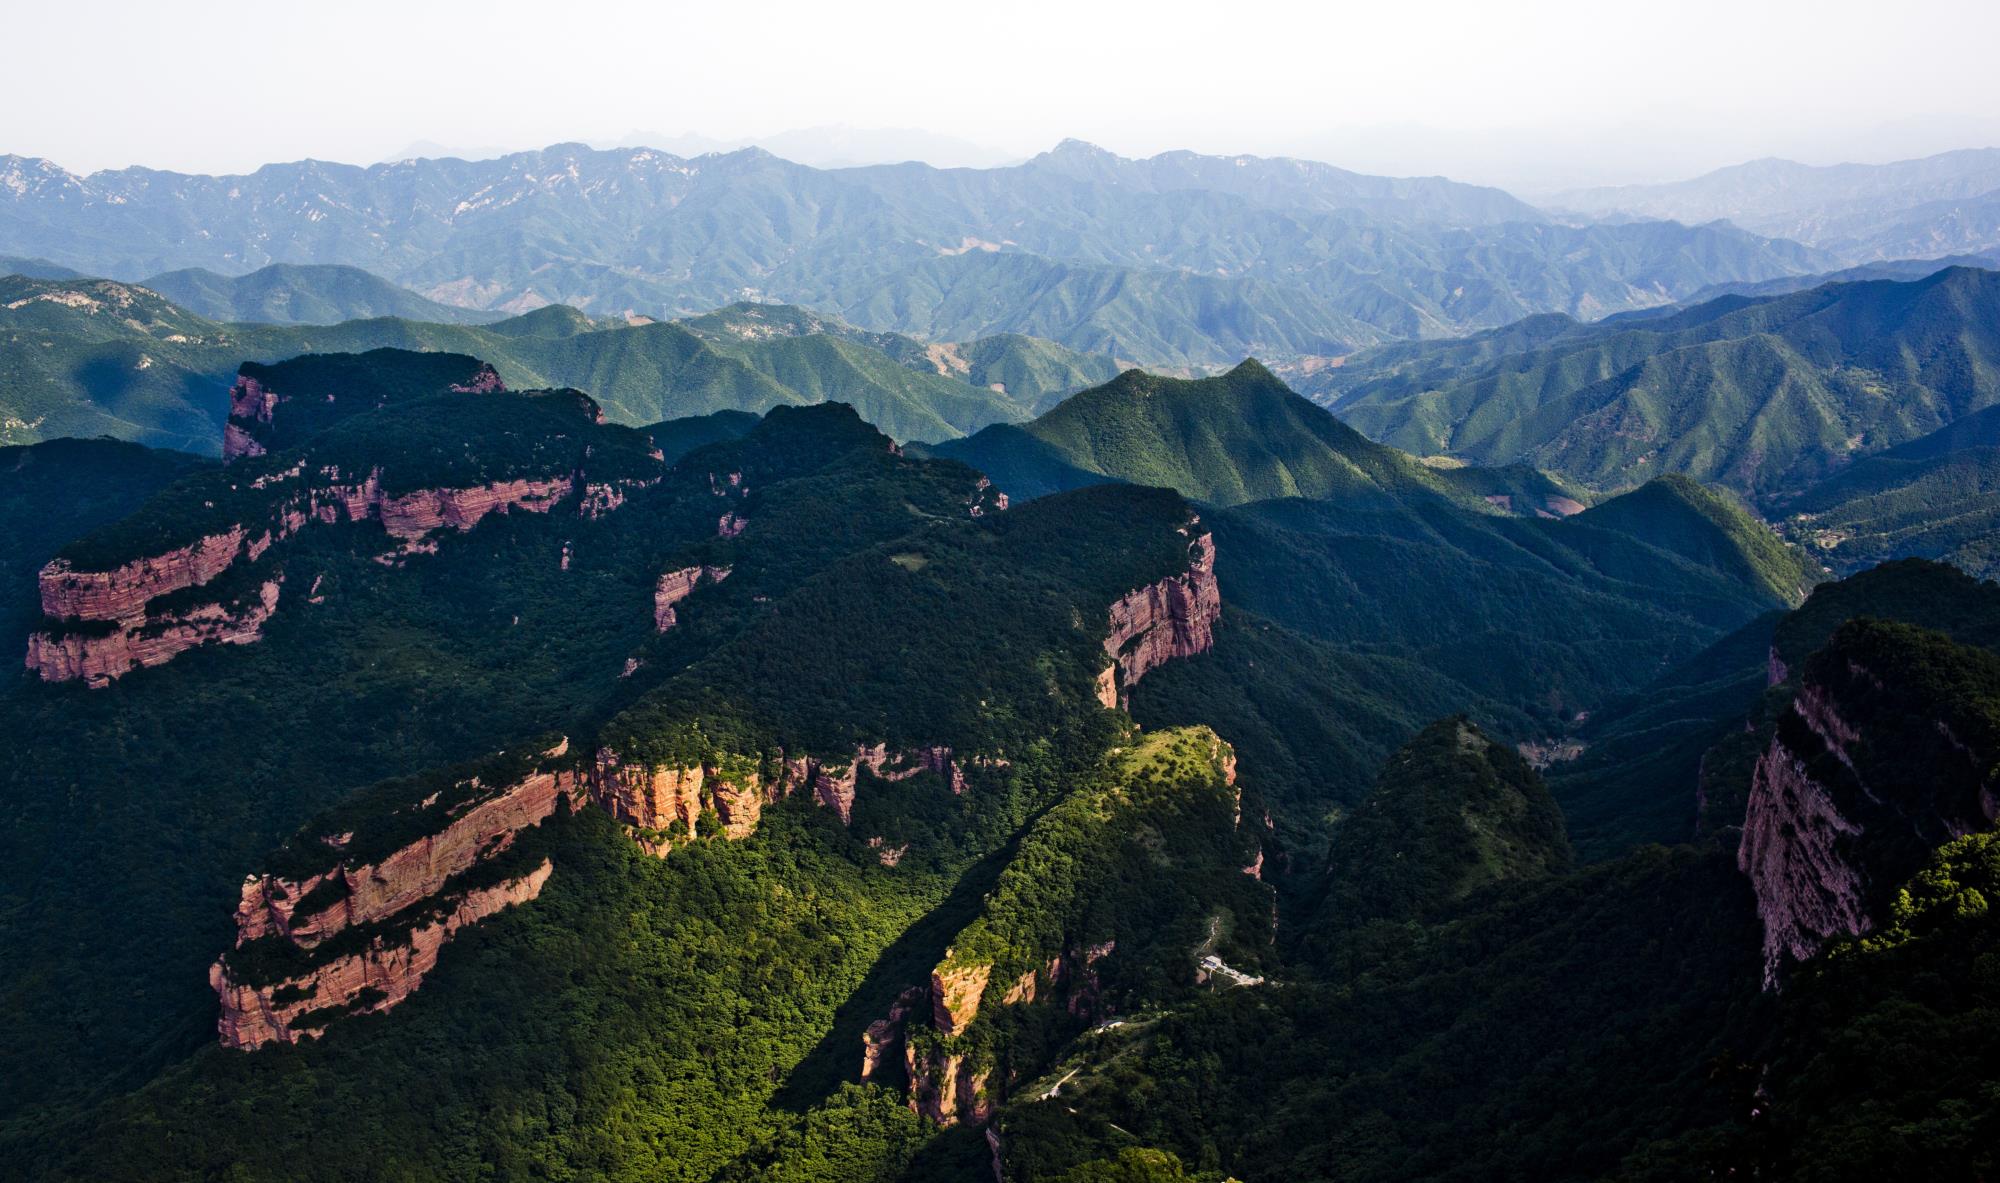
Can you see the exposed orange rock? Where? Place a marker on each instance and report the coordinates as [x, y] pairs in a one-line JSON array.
[[486, 381], [100, 659], [886, 854], [675, 586], [652, 798], [413, 515], [374, 891], [122, 592], [883, 1041], [1157, 623], [946, 1088], [377, 978], [249, 403], [955, 995], [833, 786]]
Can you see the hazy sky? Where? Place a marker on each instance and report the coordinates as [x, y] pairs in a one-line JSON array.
[[1519, 93]]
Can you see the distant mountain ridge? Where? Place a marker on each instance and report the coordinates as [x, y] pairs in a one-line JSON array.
[[88, 357], [1943, 204], [1764, 395], [289, 293], [1230, 254]]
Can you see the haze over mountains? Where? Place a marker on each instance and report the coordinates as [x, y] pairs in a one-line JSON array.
[[610, 663], [1939, 205], [1177, 261]]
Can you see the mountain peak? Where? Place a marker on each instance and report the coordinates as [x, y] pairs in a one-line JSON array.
[[1073, 147], [1250, 369]]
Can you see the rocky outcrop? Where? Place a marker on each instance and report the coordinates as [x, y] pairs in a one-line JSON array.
[[307, 911], [882, 1043], [662, 802], [125, 594], [99, 658], [250, 405], [948, 1087], [955, 995], [600, 499], [985, 498], [1863, 776], [948, 1081], [1159, 622], [361, 934], [678, 585], [122, 592], [388, 969], [486, 381], [652, 799]]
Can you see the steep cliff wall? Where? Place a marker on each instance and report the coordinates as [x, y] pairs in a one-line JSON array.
[[98, 658], [665, 803], [677, 585], [360, 934], [277, 506], [1886, 751], [1152, 625], [364, 893], [388, 969]]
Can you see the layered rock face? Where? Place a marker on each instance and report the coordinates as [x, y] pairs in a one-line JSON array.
[[652, 799], [122, 592], [883, 1041], [1863, 777], [146, 636], [141, 641], [361, 935], [250, 408], [675, 586], [370, 892], [955, 995], [947, 1088], [388, 970], [1136, 827], [1157, 623]]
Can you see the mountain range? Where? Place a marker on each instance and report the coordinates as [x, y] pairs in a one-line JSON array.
[[89, 357], [753, 798], [1765, 395], [1938, 205], [601, 664], [1179, 260]]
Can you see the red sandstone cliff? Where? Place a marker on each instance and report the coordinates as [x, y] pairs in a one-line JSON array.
[[99, 658], [397, 909], [370, 892], [1157, 623], [675, 586], [948, 1084], [388, 970], [1863, 776], [122, 594], [651, 799]]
